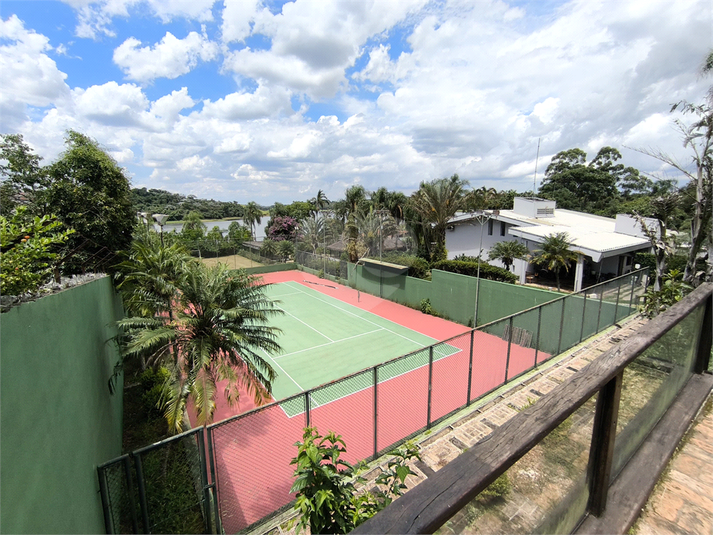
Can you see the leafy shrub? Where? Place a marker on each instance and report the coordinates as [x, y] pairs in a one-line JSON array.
[[471, 269], [325, 484], [426, 307], [672, 291], [152, 383], [417, 266]]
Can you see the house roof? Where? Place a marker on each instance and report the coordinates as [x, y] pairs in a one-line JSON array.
[[592, 235]]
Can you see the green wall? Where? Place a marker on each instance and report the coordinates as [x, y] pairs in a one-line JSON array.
[[271, 268], [59, 420], [451, 294]]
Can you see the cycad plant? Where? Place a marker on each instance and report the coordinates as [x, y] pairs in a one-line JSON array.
[[507, 252], [555, 254], [214, 329]]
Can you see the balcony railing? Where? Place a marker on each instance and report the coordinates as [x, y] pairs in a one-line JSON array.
[[644, 374]]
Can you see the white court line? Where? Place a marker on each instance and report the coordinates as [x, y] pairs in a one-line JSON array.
[[364, 319], [283, 370], [306, 324], [329, 343]]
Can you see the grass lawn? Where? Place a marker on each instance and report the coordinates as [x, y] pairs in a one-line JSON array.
[[233, 261]]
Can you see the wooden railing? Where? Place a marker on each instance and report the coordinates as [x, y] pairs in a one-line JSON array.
[[434, 501]]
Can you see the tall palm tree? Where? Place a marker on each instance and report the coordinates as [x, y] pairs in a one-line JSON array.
[[355, 199], [220, 322], [252, 215], [507, 252], [312, 232], [319, 201], [555, 254], [436, 202]]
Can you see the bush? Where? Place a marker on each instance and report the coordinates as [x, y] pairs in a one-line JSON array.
[[152, 382], [426, 307], [499, 488], [417, 266], [471, 269]]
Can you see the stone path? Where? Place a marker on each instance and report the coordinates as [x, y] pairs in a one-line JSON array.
[[682, 502]]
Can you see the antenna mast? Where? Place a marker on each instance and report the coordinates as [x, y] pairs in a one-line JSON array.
[[537, 158]]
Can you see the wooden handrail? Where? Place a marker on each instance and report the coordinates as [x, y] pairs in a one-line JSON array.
[[434, 501]]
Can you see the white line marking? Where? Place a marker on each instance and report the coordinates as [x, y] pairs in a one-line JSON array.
[[364, 319], [306, 324], [329, 343], [283, 370]]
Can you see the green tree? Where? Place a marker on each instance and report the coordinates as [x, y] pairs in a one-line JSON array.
[[237, 233], [252, 216], [555, 254], [90, 193], [507, 252], [193, 230], [220, 322], [436, 202], [354, 200], [268, 248], [589, 187], [312, 233], [22, 179], [285, 249], [26, 255], [319, 201]]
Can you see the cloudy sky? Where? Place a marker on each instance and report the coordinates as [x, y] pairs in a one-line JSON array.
[[270, 101]]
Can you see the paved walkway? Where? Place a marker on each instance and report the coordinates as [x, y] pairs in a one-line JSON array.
[[682, 502]]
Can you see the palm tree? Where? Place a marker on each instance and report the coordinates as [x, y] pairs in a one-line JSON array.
[[319, 201], [555, 254], [251, 215], [355, 199], [436, 202], [312, 233], [219, 324], [507, 252]]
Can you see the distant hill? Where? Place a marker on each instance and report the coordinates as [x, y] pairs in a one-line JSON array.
[[177, 206]]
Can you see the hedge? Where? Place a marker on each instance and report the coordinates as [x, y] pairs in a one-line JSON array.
[[471, 269]]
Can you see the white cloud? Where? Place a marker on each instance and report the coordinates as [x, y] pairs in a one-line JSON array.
[[263, 102], [237, 16], [29, 76], [170, 58], [112, 104]]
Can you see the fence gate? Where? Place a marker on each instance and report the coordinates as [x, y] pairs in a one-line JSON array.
[[162, 488]]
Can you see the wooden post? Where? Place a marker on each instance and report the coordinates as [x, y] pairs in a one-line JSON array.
[[601, 451]]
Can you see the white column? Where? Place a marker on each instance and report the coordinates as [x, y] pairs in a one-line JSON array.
[[579, 273]]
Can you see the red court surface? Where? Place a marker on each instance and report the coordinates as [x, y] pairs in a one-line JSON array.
[[253, 452]]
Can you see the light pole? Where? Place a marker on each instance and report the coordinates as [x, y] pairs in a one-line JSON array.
[[482, 217], [161, 220]]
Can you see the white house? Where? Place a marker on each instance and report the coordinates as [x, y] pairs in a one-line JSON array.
[[605, 246]]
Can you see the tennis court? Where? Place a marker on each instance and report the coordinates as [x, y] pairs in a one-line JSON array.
[[325, 339]]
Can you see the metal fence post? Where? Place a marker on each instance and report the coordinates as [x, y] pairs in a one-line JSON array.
[[507, 360], [559, 342], [214, 480], [204, 481], [130, 492], [307, 421], [430, 385], [599, 314], [376, 411], [537, 342], [631, 297], [705, 338], [584, 313], [601, 451], [142, 492], [616, 307], [470, 366], [108, 518]]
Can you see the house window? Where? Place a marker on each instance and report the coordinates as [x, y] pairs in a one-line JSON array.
[[490, 227], [502, 228]]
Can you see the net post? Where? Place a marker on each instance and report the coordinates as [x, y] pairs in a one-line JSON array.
[[142, 492], [584, 311], [559, 341], [376, 410], [507, 361], [470, 366], [539, 323], [430, 385]]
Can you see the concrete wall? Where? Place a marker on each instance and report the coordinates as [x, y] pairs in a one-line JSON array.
[[59, 420]]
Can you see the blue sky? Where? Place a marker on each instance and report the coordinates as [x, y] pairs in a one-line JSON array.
[[271, 101]]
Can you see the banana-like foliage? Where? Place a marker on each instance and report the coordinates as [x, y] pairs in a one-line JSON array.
[[204, 325]]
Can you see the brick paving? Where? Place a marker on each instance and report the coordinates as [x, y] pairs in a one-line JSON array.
[[682, 502]]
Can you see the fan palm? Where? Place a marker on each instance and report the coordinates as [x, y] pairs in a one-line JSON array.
[[507, 252], [219, 326], [555, 254]]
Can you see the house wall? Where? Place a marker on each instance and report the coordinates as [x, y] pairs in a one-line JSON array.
[[59, 419]]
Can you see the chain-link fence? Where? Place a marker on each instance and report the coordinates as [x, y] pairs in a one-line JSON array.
[[165, 487]]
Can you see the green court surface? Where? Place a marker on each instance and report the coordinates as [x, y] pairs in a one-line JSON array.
[[324, 339]]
